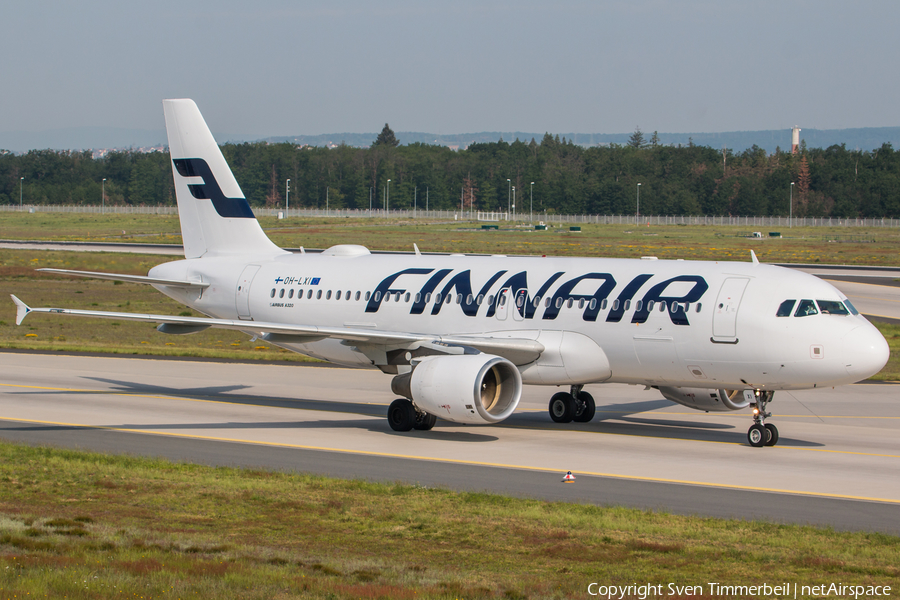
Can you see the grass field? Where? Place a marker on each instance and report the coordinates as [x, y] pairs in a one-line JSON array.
[[844, 245], [17, 275], [80, 525]]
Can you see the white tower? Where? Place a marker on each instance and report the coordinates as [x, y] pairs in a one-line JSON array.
[[795, 140]]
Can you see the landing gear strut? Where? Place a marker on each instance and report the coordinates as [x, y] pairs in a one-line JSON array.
[[761, 433], [576, 405]]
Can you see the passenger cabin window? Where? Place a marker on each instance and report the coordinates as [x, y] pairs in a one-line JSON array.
[[272, 295], [281, 293], [806, 308], [831, 307], [786, 308], [290, 293]]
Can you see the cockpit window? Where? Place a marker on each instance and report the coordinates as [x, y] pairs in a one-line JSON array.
[[786, 308], [806, 308], [851, 307], [830, 307]]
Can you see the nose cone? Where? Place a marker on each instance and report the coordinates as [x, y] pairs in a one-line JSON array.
[[865, 352]]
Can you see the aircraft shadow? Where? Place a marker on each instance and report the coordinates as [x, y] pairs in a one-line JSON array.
[[435, 434], [655, 427], [610, 418]]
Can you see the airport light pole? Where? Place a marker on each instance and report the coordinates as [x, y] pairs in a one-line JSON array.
[[21, 181], [514, 202], [791, 209], [387, 199], [287, 196], [508, 196], [370, 200], [637, 212], [531, 208], [103, 195]]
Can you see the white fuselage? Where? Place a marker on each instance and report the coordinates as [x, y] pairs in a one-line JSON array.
[[591, 314]]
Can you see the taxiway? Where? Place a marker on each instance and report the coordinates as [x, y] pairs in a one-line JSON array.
[[837, 463]]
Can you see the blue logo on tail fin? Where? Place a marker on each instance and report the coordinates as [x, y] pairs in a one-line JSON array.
[[210, 190]]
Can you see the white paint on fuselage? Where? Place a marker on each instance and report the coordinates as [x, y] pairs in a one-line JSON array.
[[765, 351]]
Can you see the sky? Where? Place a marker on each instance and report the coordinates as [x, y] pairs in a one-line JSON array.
[[272, 68]]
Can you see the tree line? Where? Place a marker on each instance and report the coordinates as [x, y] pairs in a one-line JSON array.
[[567, 179]]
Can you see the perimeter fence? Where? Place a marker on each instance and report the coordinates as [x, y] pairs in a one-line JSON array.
[[450, 215]]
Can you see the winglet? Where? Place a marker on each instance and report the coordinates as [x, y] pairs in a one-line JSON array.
[[417, 250], [753, 257], [21, 309]]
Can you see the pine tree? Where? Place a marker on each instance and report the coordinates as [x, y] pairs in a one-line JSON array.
[[386, 138], [274, 198], [637, 139]]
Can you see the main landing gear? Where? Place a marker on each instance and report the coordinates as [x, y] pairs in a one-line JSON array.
[[403, 416], [762, 433], [576, 405]]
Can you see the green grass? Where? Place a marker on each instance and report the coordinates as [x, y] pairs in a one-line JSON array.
[[83, 525], [18, 276], [799, 244], [891, 371]]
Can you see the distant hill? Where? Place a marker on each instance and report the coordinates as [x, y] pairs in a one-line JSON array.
[[85, 138], [865, 138]]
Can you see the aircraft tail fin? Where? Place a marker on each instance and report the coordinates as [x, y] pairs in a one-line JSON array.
[[215, 216]]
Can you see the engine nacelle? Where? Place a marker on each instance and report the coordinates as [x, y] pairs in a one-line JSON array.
[[706, 399], [475, 389]]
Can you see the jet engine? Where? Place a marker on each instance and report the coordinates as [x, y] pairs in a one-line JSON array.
[[706, 399], [474, 389]]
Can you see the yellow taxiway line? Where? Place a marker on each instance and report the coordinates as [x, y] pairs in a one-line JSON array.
[[468, 462]]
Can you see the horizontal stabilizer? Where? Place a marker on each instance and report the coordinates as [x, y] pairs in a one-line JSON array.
[[129, 278]]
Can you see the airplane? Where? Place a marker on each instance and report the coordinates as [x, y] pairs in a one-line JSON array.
[[462, 334]]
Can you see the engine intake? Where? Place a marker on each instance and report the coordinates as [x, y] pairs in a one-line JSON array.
[[706, 399], [476, 389]]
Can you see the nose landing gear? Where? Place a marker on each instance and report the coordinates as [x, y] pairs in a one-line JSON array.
[[761, 433]]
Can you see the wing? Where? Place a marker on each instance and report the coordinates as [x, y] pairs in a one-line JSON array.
[[518, 351]]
